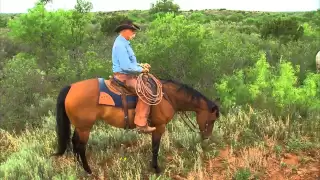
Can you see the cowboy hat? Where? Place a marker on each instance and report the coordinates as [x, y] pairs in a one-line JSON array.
[[127, 24]]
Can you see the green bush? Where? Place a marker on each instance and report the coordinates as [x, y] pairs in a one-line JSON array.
[[165, 39], [199, 17], [285, 29], [204, 55], [276, 90], [3, 21], [109, 23], [22, 81]]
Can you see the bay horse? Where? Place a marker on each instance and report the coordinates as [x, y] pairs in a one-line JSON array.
[[84, 102]]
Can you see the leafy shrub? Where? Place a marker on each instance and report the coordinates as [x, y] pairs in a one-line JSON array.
[[274, 89], [199, 17], [22, 80], [109, 23], [3, 21], [44, 31], [203, 55], [168, 35], [286, 29]]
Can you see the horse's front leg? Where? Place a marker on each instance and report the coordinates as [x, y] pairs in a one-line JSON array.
[[156, 138]]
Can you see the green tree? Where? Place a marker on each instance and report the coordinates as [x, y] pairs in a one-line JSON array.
[[44, 32], [164, 6], [285, 29], [83, 6], [173, 42], [79, 19]]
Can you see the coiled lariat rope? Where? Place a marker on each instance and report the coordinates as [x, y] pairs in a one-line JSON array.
[[145, 93]]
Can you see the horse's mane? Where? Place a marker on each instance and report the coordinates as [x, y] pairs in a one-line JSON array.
[[195, 95]]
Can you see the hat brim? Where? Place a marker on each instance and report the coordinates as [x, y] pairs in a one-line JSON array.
[[125, 26]]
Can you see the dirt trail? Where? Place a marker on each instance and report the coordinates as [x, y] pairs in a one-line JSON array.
[[262, 163]]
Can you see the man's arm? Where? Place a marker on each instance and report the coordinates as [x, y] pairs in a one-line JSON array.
[[124, 61]]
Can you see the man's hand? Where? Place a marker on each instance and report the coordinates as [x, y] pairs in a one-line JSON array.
[[145, 70], [145, 65]]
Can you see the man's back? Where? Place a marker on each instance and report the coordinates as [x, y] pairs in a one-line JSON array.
[[123, 58], [115, 57]]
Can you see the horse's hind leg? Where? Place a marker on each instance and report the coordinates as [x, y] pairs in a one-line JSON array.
[[79, 141], [75, 144]]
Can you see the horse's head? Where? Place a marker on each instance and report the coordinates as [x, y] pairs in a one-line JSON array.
[[207, 114], [185, 98]]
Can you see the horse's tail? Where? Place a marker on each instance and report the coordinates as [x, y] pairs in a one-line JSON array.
[[63, 128]]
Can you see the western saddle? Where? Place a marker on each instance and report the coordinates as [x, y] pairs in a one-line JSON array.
[[124, 91]]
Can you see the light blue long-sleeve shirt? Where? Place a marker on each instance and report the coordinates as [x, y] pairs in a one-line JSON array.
[[123, 57]]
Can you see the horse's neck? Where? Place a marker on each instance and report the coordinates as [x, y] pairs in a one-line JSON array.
[[182, 102]]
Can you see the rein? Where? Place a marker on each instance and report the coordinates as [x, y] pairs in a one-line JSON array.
[[194, 126]]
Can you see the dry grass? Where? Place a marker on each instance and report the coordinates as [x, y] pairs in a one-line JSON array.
[[243, 147]]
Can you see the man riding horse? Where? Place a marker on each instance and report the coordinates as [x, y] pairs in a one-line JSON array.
[[126, 68], [77, 103]]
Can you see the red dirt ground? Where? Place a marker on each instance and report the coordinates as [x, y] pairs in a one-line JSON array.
[[305, 166]]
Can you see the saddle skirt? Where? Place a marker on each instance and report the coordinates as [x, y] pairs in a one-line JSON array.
[[111, 95]]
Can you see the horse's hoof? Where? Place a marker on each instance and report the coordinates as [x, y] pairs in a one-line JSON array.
[[155, 167], [157, 170], [89, 172]]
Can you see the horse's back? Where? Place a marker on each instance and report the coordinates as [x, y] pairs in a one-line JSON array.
[[84, 89]]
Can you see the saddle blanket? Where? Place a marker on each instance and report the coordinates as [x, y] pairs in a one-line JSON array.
[[111, 97]]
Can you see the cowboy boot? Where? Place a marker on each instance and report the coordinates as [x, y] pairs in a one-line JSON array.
[[146, 129], [140, 119]]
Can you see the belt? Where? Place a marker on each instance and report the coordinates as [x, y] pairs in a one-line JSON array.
[[122, 74], [122, 77]]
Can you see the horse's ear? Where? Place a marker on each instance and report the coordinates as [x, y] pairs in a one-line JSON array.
[[214, 109], [216, 106]]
